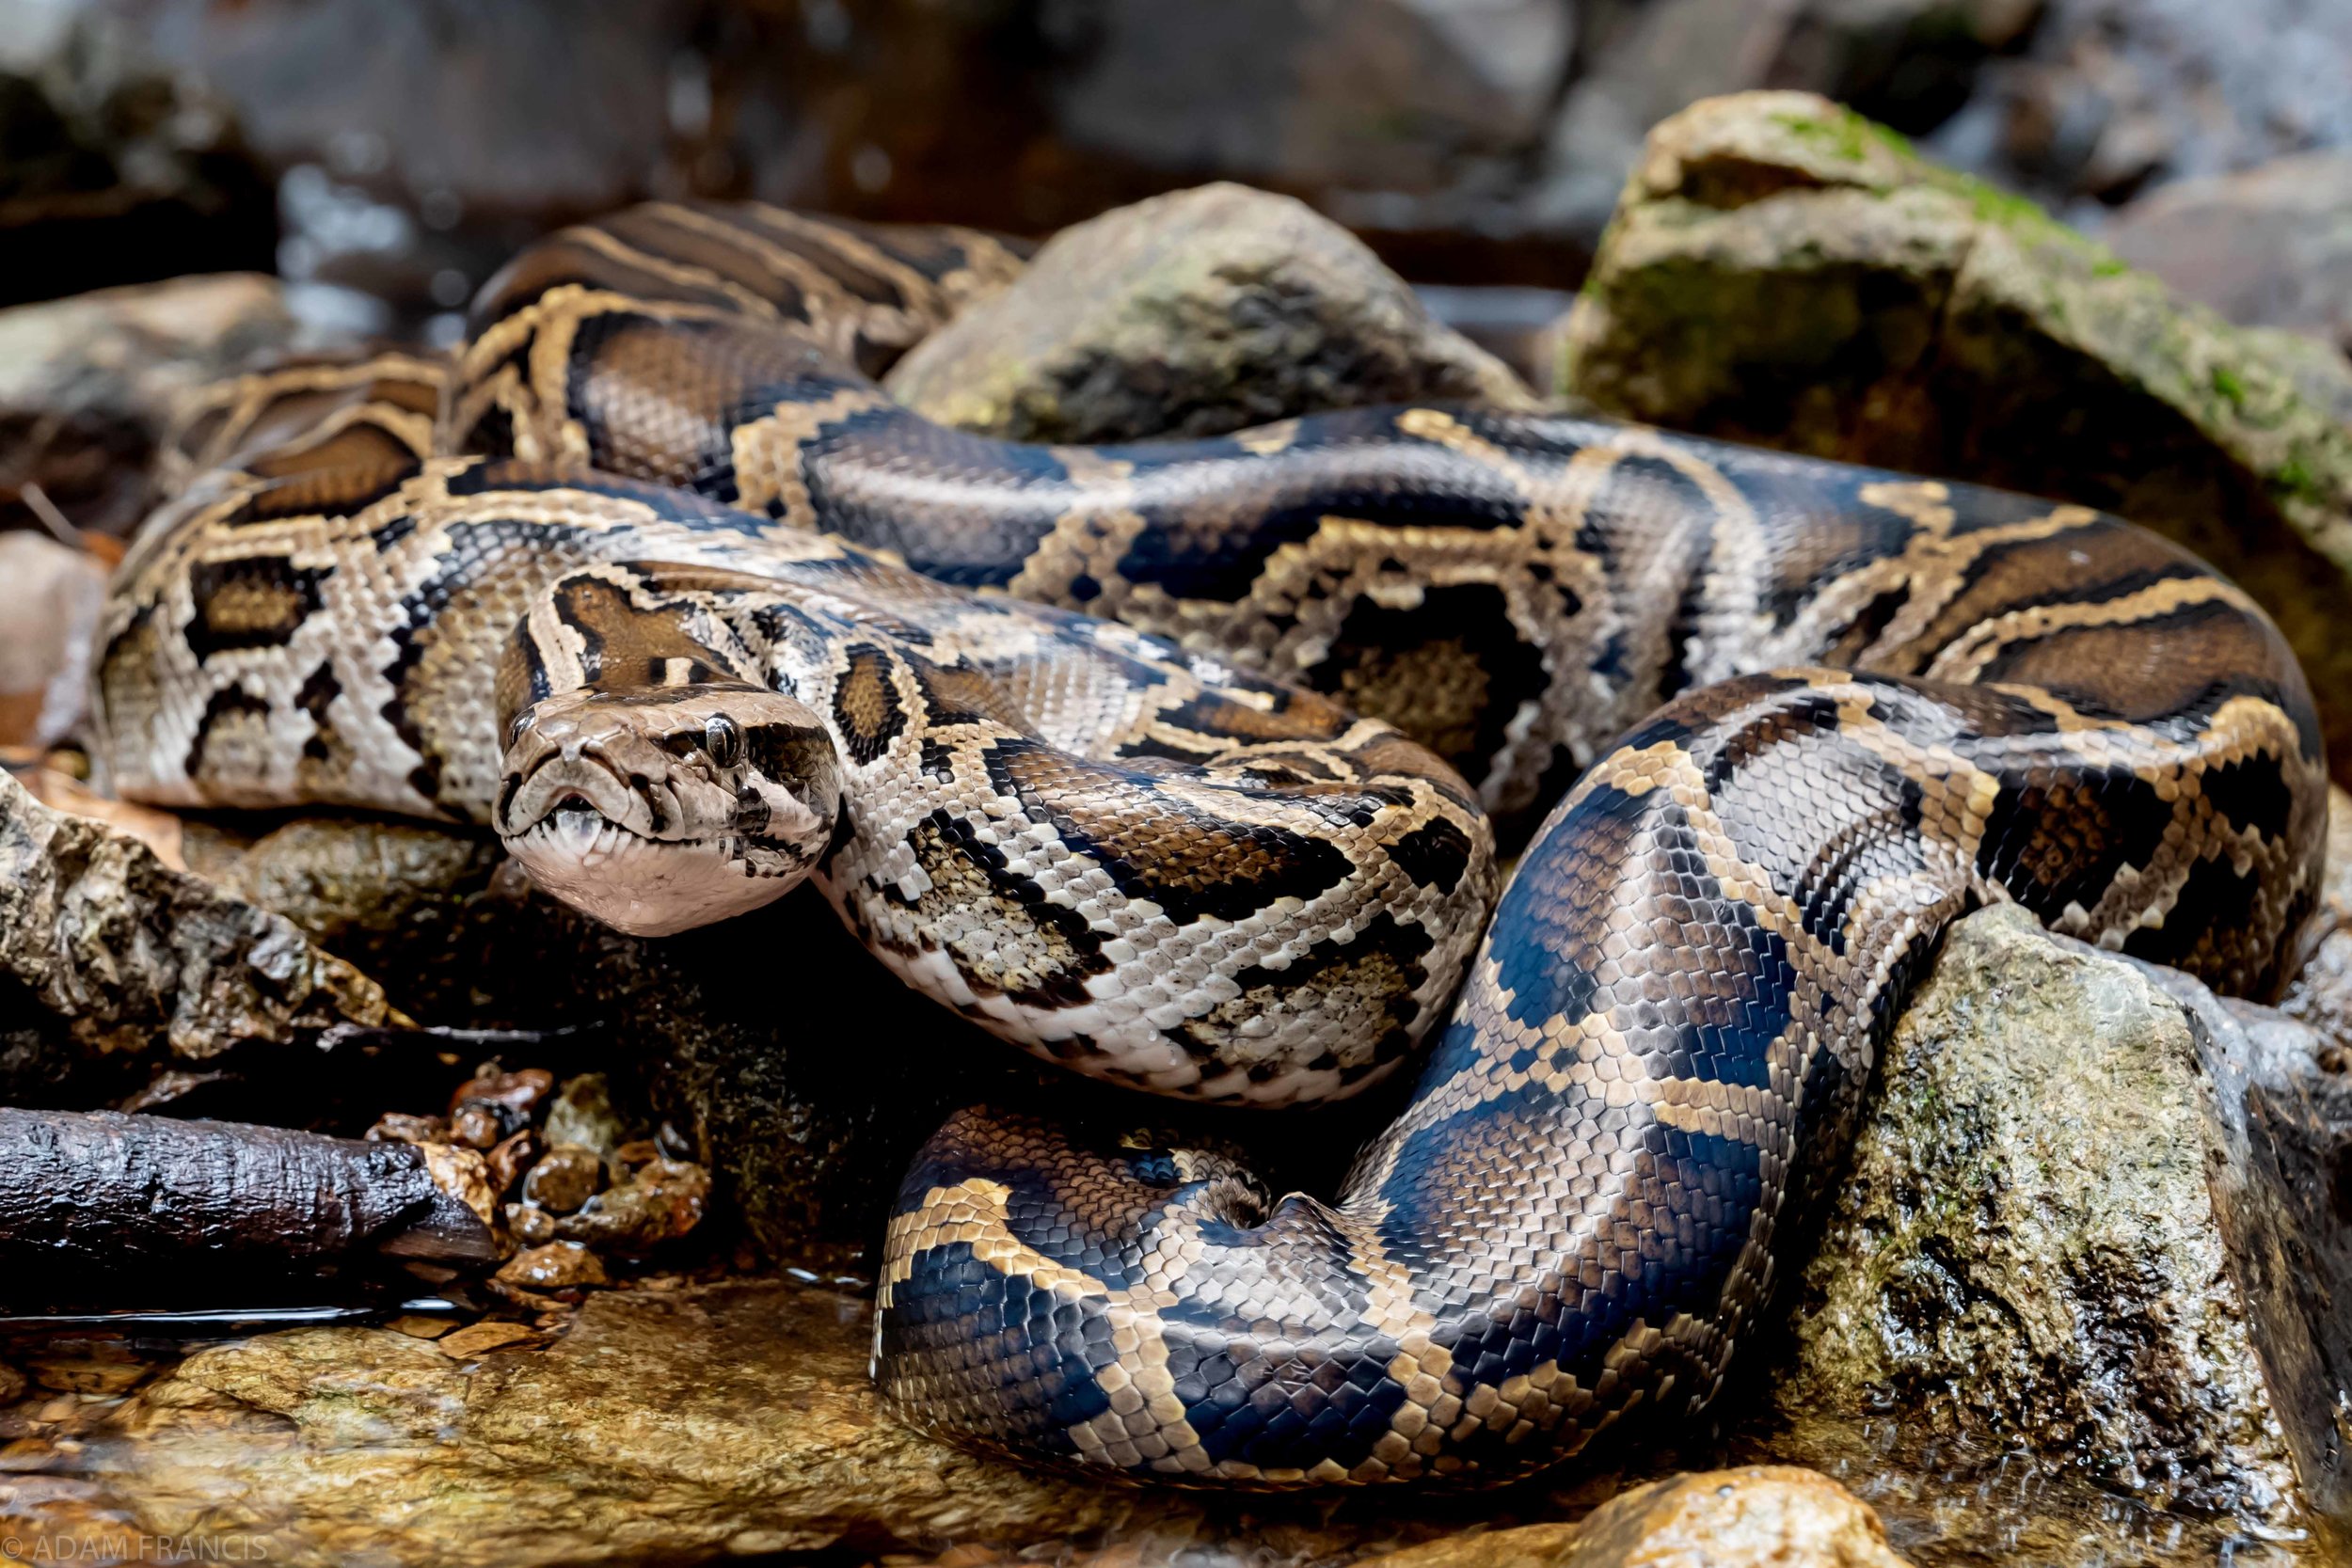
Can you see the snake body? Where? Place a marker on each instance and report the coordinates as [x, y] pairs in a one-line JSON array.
[[1070, 738]]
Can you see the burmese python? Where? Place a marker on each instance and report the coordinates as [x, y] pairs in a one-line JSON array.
[[659, 635]]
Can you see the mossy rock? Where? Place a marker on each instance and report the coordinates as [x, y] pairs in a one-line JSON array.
[[1782, 271]]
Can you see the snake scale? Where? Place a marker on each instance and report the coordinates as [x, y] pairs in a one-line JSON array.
[[1070, 737]]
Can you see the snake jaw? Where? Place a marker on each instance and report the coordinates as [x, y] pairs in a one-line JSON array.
[[659, 810]]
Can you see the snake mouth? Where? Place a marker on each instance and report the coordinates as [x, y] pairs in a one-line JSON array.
[[647, 887]]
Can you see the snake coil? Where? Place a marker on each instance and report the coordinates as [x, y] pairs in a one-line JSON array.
[[1070, 738]]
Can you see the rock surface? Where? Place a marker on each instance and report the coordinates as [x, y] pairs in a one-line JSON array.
[[1192, 315], [1783, 271], [2268, 247], [89, 386], [733, 1418], [804, 1139], [55, 593], [1384, 94], [2023, 1256], [111, 962], [1757, 1516]]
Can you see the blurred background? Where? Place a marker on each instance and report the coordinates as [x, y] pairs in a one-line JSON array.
[[384, 158]]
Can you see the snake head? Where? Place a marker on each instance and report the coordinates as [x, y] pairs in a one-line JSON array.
[[661, 809]]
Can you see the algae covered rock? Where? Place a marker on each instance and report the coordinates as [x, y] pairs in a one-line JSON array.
[[1193, 314], [2025, 1256], [1782, 271]]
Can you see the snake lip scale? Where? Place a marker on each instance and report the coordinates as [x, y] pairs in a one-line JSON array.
[[1182, 764]]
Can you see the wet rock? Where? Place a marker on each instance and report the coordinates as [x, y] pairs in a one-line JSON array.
[[400, 1127], [1192, 315], [481, 1339], [659, 1201], [1758, 1517], [582, 1116], [2268, 247], [109, 960], [88, 385], [565, 1178], [476, 1127], [2024, 1258], [529, 1223], [52, 599], [512, 1158], [2282, 1095], [661, 1426], [1783, 271], [506, 1101], [556, 1266]]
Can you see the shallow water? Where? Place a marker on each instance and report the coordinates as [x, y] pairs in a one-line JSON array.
[[676, 1422]]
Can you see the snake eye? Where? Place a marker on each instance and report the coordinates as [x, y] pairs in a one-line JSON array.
[[519, 727], [723, 738]]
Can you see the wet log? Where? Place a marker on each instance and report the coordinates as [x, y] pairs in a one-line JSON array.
[[88, 1197]]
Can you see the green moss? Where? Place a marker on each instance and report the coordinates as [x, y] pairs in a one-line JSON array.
[[2227, 385], [1991, 204], [2296, 477], [1848, 135]]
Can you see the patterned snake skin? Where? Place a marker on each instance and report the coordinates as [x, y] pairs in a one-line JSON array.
[[666, 640]]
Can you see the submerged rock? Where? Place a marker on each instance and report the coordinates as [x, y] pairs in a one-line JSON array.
[[1193, 314], [113, 963], [1783, 271], [2024, 1258], [730, 1418]]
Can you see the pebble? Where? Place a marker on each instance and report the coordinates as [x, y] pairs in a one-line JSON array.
[[659, 1202], [511, 1159], [479, 1339], [556, 1266], [566, 1177]]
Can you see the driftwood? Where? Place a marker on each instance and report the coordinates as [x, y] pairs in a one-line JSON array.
[[95, 1196]]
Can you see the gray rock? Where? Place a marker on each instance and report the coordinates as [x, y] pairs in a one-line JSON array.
[[1193, 314], [2268, 247], [413, 904], [1384, 94], [1783, 271], [1914, 59], [114, 964], [2112, 96], [88, 385], [2024, 1257], [2282, 1099]]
